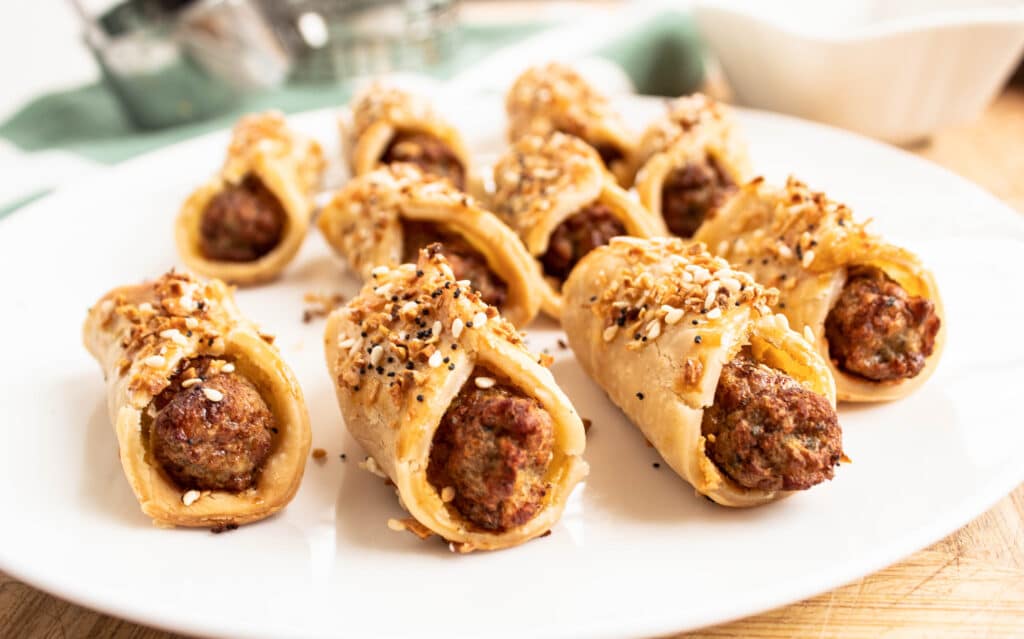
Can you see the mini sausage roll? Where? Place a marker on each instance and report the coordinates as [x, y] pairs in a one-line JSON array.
[[385, 217], [689, 161], [556, 195], [554, 97], [739, 405], [248, 222], [440, 391], [388, 125], [211, 425], [870, 308]]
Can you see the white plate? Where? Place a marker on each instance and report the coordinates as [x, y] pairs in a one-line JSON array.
[[636, 553]]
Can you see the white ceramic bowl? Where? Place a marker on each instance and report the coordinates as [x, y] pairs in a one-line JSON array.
[[896, 70]]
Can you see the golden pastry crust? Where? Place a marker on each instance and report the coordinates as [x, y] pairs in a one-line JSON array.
[[693, 128], [381, 112], [804, 243], [288, 164], [554, 97], [394, 410], [541, 181], [363, 224], [629, 315], [141, 335]]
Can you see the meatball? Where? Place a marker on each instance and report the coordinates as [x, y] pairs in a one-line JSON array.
[[493, 447], [879, 332], [581, 233], [242, 223], [691, 192], [213, 445], [767, 431], [428, 153], [467, 263]]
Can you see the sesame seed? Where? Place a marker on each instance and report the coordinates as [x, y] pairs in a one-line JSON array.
[[610, 332], [698, 339], [435, 359], [715, 313], [447, 494], [437, 327], [480, 319], [457, 325], [396, 525], [190, 497], [673, 316], [378, 271], [464, 283], [213, 394], [640, 396], [808, 334], [191, 322], [146, 307], [654, 329], [346, 343], [419, 398], [484, 382], [227, 368], [408, 307], [375, 354], [194, 381], [175, 336], [808, 258], [154, 361]]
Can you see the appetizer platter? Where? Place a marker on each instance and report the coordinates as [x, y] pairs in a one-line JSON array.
[[689, 362]]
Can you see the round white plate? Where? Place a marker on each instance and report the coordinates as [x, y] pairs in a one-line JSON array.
[[636, 553]]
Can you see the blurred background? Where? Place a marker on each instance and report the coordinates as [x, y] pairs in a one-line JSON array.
[[90, 82]]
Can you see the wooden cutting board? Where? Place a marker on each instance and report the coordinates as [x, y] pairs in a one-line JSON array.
[[968, 586]]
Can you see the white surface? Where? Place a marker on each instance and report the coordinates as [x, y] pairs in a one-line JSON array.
[[897, 71], [636, 553]]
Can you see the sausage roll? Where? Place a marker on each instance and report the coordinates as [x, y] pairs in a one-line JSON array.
[[384, 217], [870, 308], [689, 161], [388, 125], [438, 388], [248, 222], [554, 192], [554, 97], [211, 425], [739, 405]]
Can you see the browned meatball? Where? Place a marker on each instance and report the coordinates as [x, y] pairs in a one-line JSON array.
[[242, 223], [428, 153], [493, 447], [691, 192], [213, 445], [879, 332], [467, 263], [581, 233], [767, 431]]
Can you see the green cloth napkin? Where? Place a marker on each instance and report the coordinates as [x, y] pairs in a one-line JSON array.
[[661, 56]]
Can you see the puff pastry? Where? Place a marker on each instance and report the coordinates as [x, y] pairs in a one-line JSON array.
[[181, 363], [554, 192], [387, 124], [689, 161], [656, 322], [870, 308], [384, 217], [411, 397], [248, 222], [554, 97]]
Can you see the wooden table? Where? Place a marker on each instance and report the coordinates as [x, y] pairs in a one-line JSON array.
[[969, 585]]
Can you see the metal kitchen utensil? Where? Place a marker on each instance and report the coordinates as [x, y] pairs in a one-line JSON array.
[[336, 39], [175, 61]]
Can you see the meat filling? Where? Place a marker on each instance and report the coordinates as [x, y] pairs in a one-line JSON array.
[[214, 435], [877, 330], [242, 223], [428, 153], [691, 192], [467, 263], [581, 233], [766, 431], [492, 449]]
